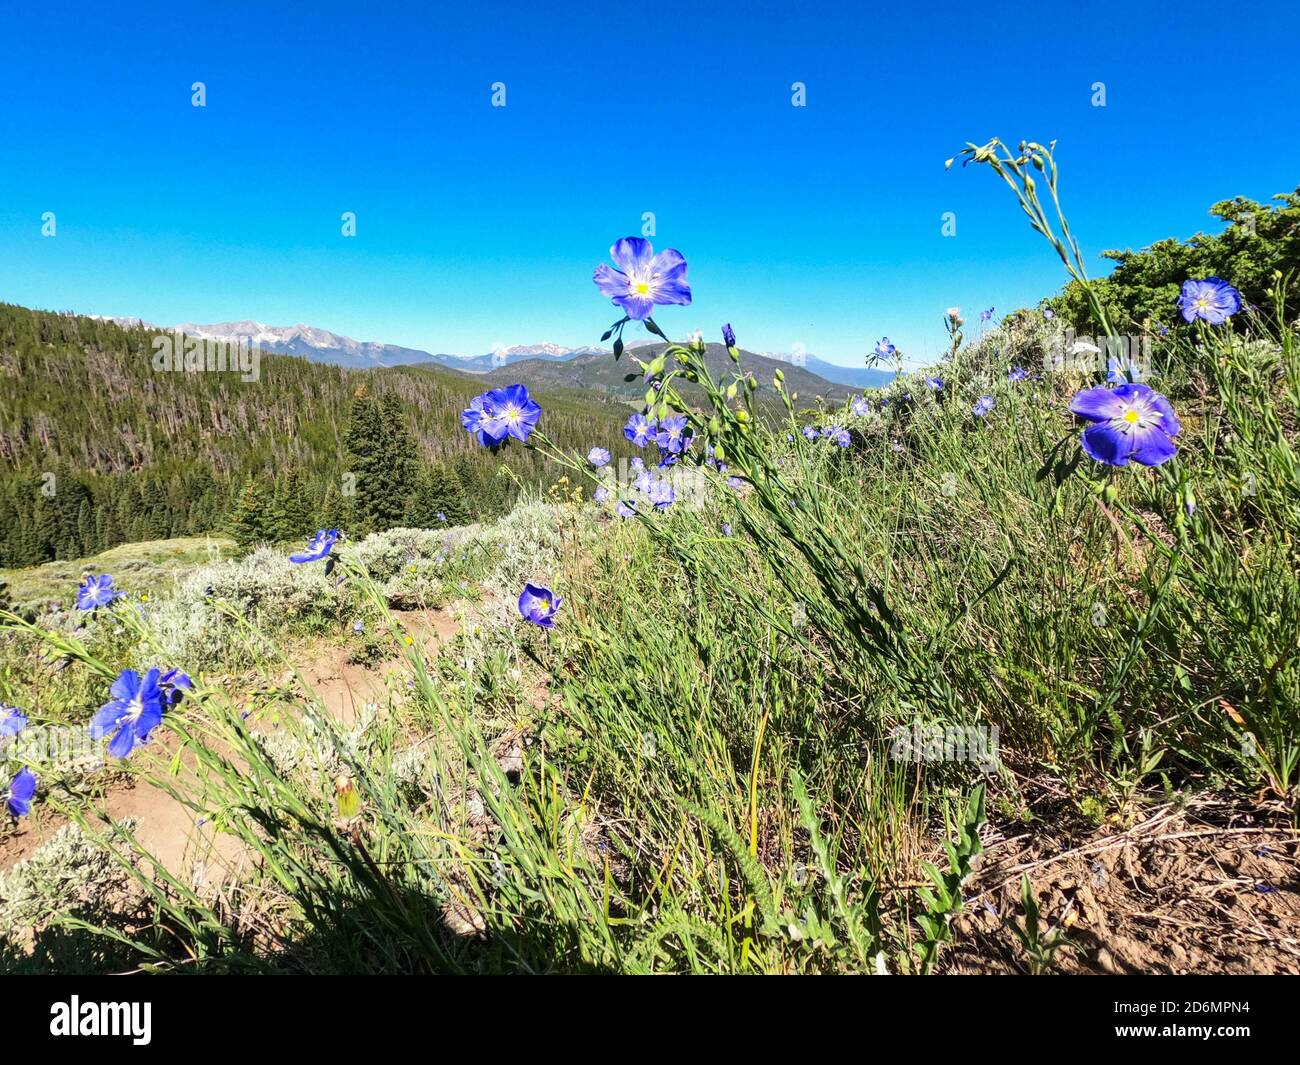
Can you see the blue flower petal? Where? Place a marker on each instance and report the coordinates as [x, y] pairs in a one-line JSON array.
[[1097, 404], [1151, 447], [1108, 445], [632, 253]]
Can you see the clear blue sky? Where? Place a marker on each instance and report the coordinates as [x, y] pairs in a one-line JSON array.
[[478, 225]]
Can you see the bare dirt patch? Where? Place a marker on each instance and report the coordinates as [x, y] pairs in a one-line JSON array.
[[1212, 886], [167, 829]]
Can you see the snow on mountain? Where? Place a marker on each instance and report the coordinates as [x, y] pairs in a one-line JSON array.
[[125, 323], [550, 351], [316, 345], [321, 345]]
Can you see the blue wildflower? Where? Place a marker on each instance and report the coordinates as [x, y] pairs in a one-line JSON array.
[[1017, 374], [12, 722], [598, 457], [1049, 314], [472, 419], [22, 789], [884, 349], [441, 517], [601, 495], [986, 315], [841, 436], [320, 547], [661, 494], [135, 710], [538, 604], [728, 335], [639, 429], [1212, 300], [735, 484], [1129, 422], [642, 279], [174, 684], [726, 528], [672, 434], [501, 413], [96, 592], [809, 432], [1122, 371], [982, 406], [860, 407], [935, 383], [359, 627], [624, 510]]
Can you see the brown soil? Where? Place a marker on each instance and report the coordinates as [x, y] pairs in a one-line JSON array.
[[1210, 887], [167, 829]]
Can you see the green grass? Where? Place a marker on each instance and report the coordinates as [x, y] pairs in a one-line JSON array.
[[142, 567]]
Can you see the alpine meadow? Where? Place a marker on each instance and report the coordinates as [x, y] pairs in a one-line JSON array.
[[670, 649]]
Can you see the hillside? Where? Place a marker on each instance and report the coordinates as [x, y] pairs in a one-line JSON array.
[[622, 378], [96, 448]]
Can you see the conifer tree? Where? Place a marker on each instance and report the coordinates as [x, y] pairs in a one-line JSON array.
[[364, 460], [294, 509], [249, 524]]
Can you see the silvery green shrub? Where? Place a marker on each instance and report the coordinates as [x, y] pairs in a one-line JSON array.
[[194, 625]]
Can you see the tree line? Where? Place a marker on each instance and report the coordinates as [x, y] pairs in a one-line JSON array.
[[97, 449]]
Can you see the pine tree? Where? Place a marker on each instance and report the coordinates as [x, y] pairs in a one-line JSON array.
[[295, 509], [249, 525], [335, 511], [452, 500], [364, 461], [382, 457], [399, 463]]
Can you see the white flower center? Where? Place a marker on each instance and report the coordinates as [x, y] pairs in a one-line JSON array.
[[1138, 416]]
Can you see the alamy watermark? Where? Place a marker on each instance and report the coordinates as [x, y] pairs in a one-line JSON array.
[[59, 747], [689, 485], [933, 742], [176, 353], [1126, 355]]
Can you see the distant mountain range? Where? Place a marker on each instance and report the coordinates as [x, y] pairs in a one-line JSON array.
[[602, 374], [853, 376], [323, 346]]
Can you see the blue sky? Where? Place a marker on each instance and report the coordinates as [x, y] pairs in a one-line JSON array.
[[479, 226]]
